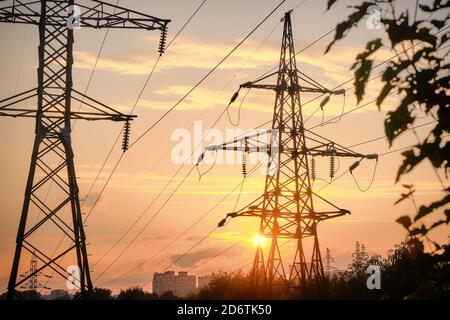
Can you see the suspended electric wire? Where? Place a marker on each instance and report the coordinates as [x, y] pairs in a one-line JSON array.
[[325, 186], [206, 75], [149, 76], [372, 179], [162, 249]]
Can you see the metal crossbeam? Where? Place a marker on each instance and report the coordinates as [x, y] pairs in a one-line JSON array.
[[52, 160], [286, 208]]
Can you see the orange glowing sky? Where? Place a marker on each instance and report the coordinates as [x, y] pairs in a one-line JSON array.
[[146, 168]]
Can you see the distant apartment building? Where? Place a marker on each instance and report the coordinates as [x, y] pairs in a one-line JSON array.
[[203, 281], [58, 294], [180, 285]]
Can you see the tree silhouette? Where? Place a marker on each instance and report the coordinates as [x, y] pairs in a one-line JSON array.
[[135, 293], [419, 77], [101, 294], [168, 295]]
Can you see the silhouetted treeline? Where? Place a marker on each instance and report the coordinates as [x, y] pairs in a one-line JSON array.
[[406, 273]]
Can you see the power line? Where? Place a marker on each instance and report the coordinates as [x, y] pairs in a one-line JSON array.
[[132, 109], [347, 81], [215, 228], [384, 137], [138, 138], [158, 211], [350, 111], [192, 90], [378, 65], [215, 98], [308, 46], [192, 225], [189, 92], [91, 75], [220, 253], [328, 183], [152, 218], [205, 76]]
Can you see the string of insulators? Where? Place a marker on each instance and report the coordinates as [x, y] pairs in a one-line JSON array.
[[162, 41], [244, 158], [244, 164], [332, 166], [126, 136], [313, 168]]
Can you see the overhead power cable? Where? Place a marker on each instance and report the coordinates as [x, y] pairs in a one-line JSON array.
[[146, 82], [206, 75]]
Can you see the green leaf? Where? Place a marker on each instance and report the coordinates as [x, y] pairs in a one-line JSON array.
[[425, 210], [363, 67], [405, 221], [352, 21], [437, 5], [330, 3], [384, 92], [418, 231], [399, 30], [437, 224], [397, 121], [438, 23], [362, 75]]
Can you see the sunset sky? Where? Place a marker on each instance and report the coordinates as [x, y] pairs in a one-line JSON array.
[[126, 59]]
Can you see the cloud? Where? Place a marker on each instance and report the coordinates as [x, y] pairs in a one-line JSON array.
[[184, 53], [128, 65], [92, 199], [203, 98], [193, 258], [197, 54], [154, 237]]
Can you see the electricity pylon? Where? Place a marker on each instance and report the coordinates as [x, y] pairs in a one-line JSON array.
[[52, 160], [33, 283], [33, 280], [359, 255], [328, 259], [285, 209]]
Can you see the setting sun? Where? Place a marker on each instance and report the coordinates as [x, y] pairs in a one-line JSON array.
[[259, 240], [224, 150]]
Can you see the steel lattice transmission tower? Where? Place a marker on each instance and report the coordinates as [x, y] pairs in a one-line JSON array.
[[33, 281], [286, 209], [52, 160], [328, 259]]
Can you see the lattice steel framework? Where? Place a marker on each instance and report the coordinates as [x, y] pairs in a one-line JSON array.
[[286, 207], [52, 160]]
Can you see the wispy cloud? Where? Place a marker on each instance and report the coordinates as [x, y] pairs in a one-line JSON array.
[[193, 258]]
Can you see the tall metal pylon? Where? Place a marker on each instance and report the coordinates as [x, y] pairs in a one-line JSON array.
[[328, 259], [52, 159], [286, 209], [33, 281]]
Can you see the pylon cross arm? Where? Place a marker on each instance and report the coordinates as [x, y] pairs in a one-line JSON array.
[[93, 14], [254, 209], [294, 87], [248, 144], [95, 110], [321, 216]]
